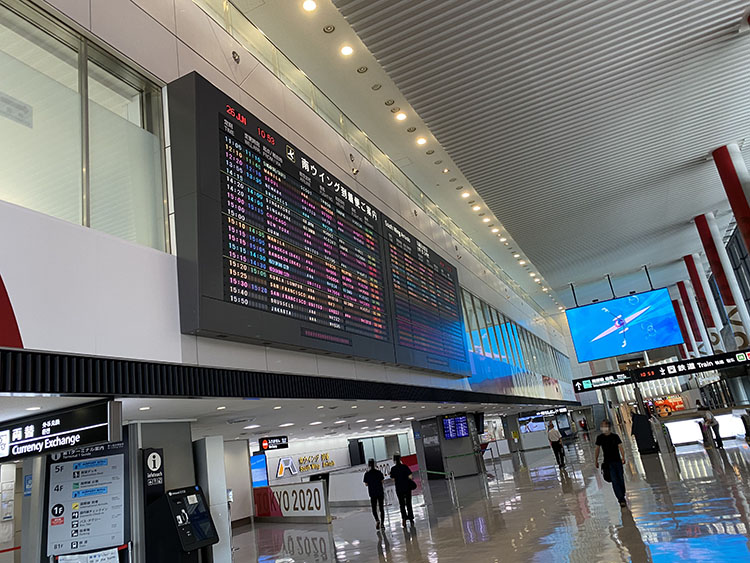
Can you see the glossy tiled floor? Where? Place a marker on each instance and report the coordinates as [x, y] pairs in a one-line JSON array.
[[689, 507]]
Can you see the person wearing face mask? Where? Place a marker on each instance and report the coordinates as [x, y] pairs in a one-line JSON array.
[[613, 460]]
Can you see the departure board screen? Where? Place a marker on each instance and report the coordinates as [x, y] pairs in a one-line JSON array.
[[273, 248]]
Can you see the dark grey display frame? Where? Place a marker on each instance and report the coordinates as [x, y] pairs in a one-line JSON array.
[[194, 106]]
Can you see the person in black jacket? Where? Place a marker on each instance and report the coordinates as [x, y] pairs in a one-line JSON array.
[[374, 482], [402, 478]]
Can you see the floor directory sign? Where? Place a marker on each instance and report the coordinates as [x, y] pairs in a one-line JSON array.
[[87, 499]]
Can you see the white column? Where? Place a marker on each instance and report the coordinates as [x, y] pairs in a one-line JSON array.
[[717, 342], [726, 263]]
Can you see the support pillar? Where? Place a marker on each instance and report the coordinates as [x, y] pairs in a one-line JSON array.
[[734, 303], [687, 336], [694, 318], [706, 302], [736, 180]]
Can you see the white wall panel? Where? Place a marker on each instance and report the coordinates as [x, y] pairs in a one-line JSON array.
[[77, 290], [76, 10], [136, 35]]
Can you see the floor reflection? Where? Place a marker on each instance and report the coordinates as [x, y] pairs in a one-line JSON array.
[[690, 505]]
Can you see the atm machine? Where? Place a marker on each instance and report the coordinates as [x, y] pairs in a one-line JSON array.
[[181, 526]]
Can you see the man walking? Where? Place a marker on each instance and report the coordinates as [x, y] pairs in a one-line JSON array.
[[555, 440], [402, 478]]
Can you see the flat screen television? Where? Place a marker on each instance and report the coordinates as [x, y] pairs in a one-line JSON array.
[[455, 427], [638, 322], [531, 424]]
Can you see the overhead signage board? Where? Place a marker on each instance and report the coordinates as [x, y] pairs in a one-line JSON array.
[[88, 498], [601, 381], [60, 430], [275, 248], [692, 365], [274, 443]]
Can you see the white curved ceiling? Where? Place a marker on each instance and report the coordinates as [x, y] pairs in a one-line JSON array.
[[584, 124]]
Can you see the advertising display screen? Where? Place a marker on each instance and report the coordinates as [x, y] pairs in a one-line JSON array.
[[531, 424], [259, 470], [455, 427], [622, 326], [274, 249]]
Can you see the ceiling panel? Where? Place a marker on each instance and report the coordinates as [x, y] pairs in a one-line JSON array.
[[584, 125]]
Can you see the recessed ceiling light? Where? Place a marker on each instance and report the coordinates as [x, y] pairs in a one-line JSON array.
[[532, 274], [376, 87], [220, 408], [409, 418], [381, 407], [34, 409], [354, 406], [503, 239], [379, 419], [391, 425], [401, 116], [465, 195], [361, 420], [522, 262], [309, 5], [537, 280], [365, 427], [495, 230], [516, 255], [561, 308], [431, 151], [252, 426], [286, 425], [277, 407], [476, 208], [144, 409], [315, 423], [346, 50], [321, 406], [362, 69], [340, 422], [421, 141], [446, 170], [486, 220], [545, 289], [396, 419], [411, 129]]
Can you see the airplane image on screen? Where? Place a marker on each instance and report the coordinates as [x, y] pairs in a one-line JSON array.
[[620, 324]]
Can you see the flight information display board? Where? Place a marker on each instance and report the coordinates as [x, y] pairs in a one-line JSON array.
[[272, 248]]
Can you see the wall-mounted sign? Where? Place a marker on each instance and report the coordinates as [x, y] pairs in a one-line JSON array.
[[289, 466], [552, 412], [153, 474], [87, 499], [274, 443], [601, 381], [60, 430], [693, 365], [306, 500]]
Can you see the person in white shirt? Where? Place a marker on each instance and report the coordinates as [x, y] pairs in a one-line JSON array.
[[555, 440]]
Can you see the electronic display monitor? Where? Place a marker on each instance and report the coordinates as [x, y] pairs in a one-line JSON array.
[[259, 470], [626, 325], [275, 249], [531, 424], [455, 427]]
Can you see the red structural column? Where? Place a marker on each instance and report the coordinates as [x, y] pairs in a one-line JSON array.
[[736, 180], [706, 302], [729, 289], [685, 336]]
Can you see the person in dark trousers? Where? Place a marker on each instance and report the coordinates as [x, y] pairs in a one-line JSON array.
[[374, 482], [555, 440], [402, 478], [710, 421], [614, 460]]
